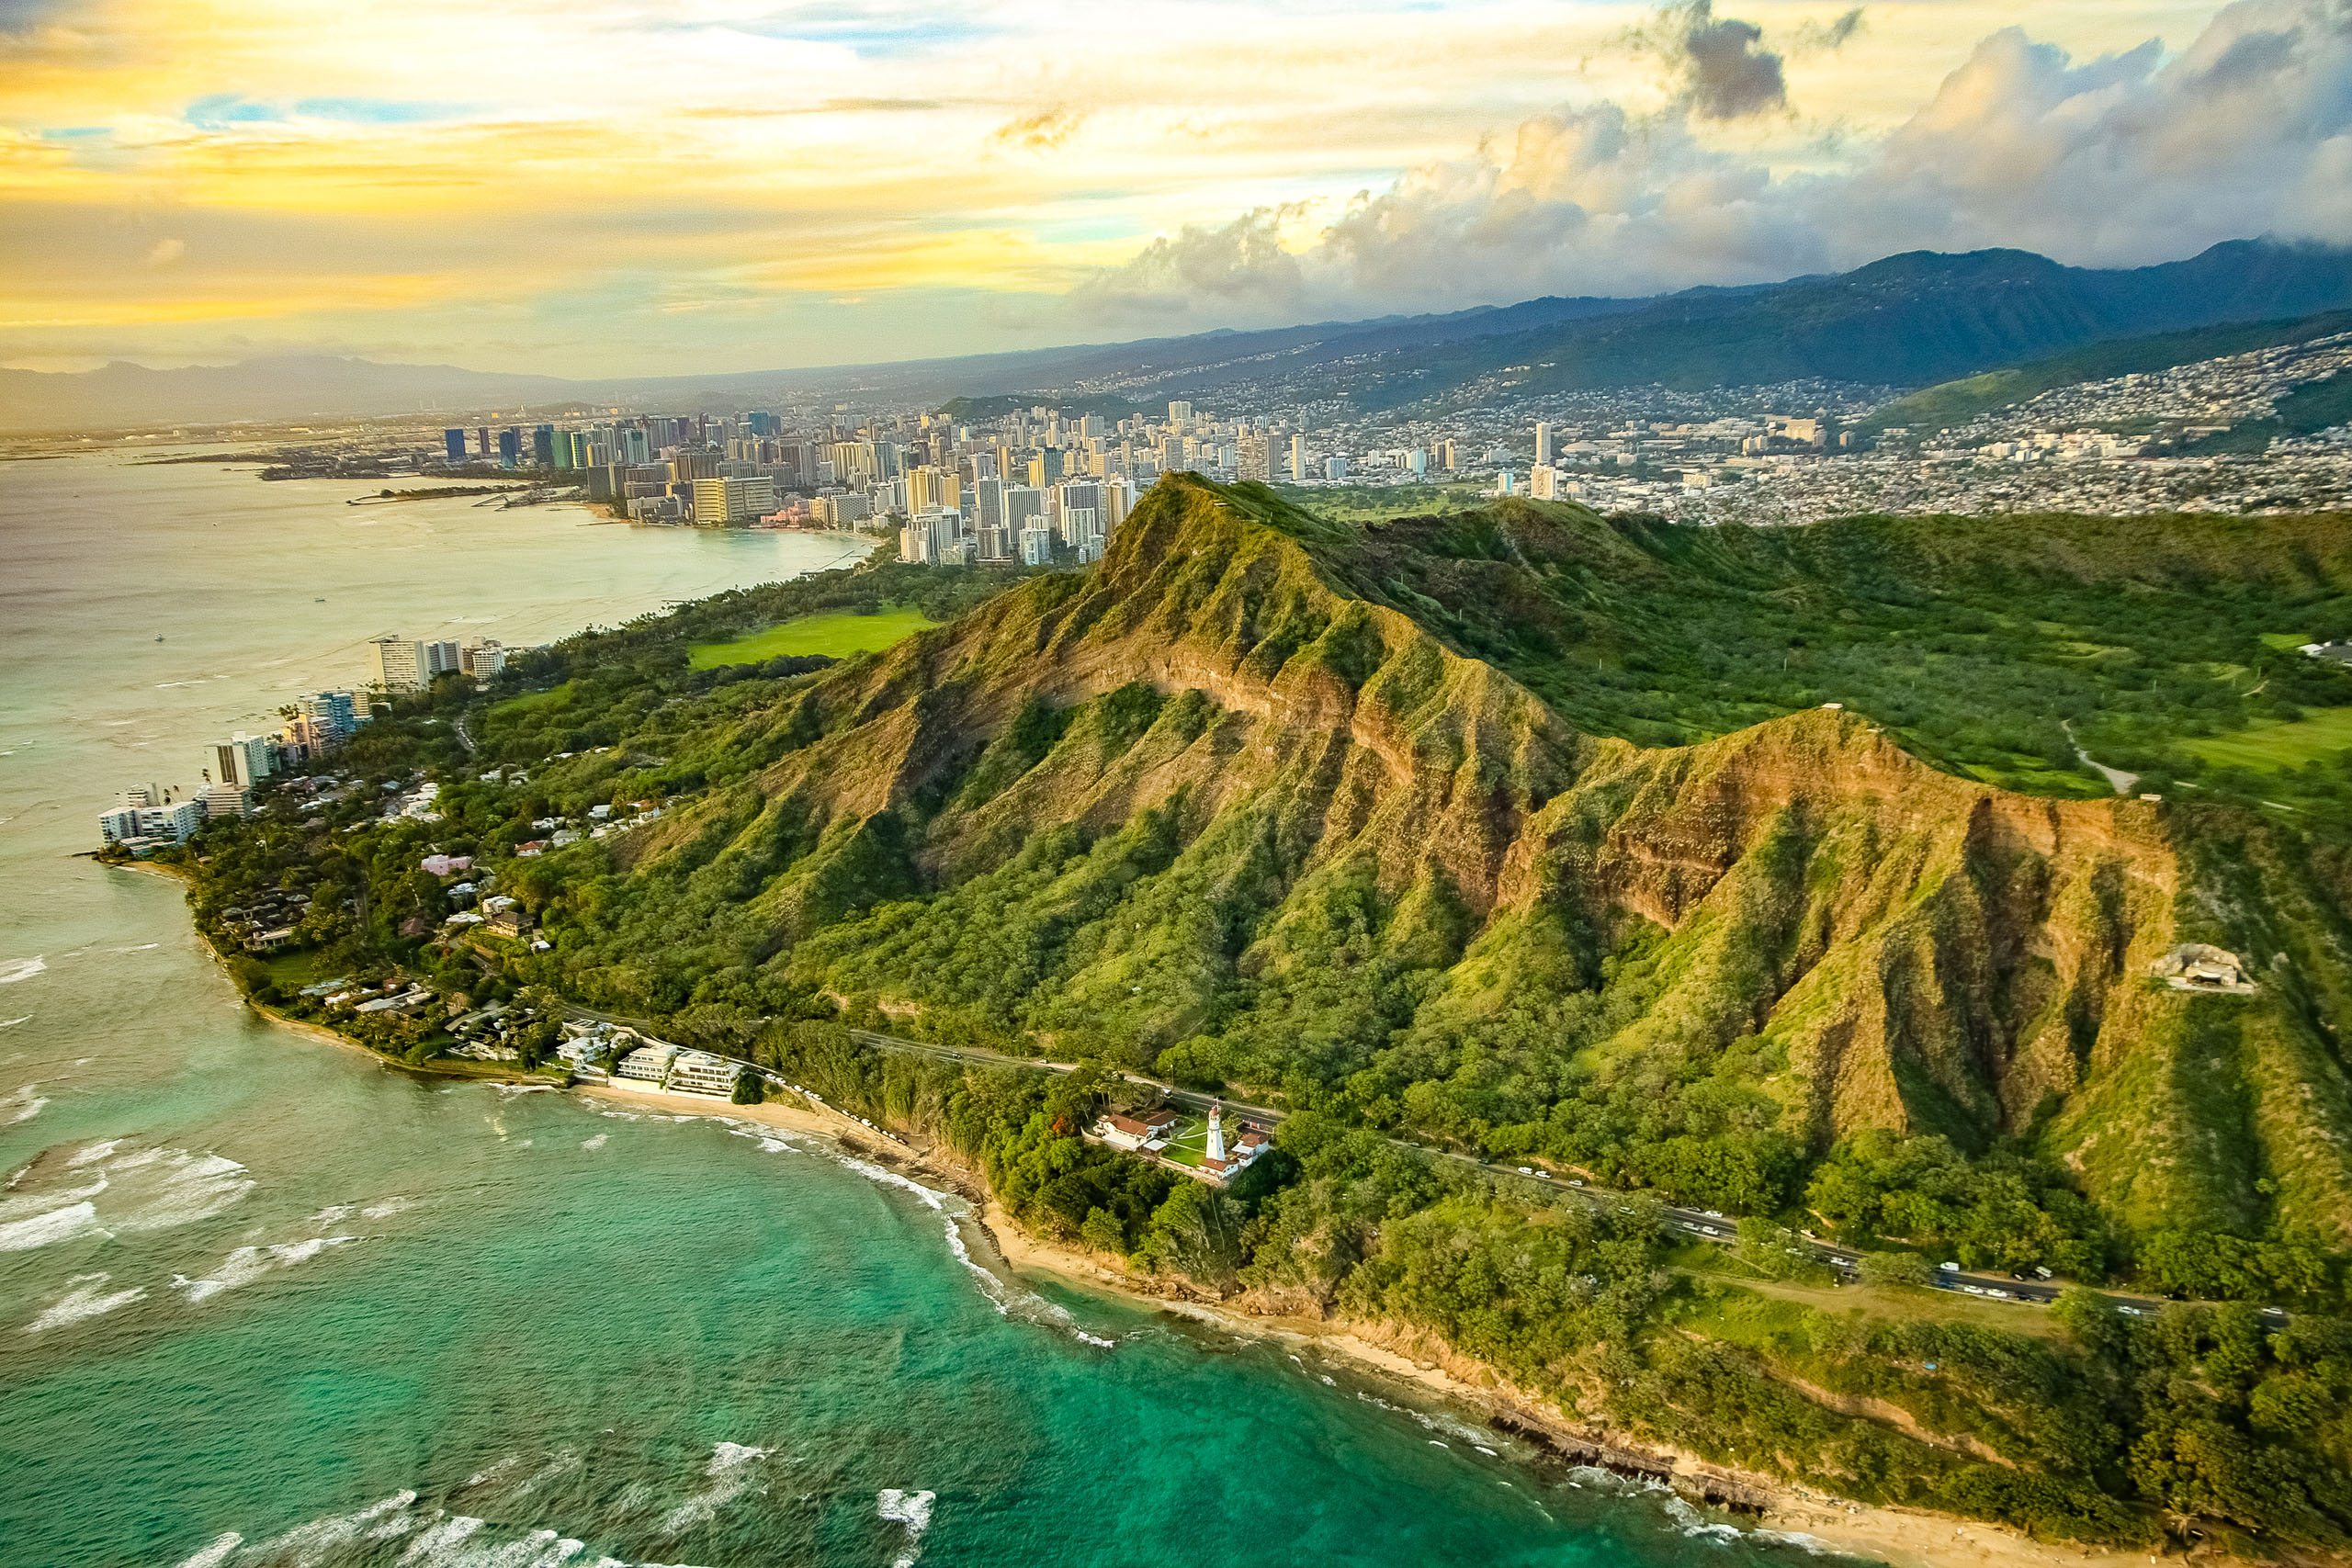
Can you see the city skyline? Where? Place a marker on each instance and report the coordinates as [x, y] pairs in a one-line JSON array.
[[726, 186]]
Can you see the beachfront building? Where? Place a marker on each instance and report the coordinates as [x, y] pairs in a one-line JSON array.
[[647, 1063], [141, 820], [699, 1072]]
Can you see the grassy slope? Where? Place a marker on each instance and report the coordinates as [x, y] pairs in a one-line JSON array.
[[1975, 641], [2273, 745], [836, 635]]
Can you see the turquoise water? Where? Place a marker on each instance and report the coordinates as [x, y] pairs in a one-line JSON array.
[[263, 1301]]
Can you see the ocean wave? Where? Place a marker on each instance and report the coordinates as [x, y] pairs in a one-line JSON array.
[[1009, 1300], [88, 1298], [910, 1510], [215, 1553], [246, 1264], [12, 1022], [728, 1473], [771, 1141], [14, 969], [164, 1188], [436, 1538], [385, 1208], [598, 1142], [20, 1105], [44, 1229], [1696, 1525]]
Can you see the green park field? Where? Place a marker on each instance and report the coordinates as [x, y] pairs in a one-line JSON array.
[[838, 635]]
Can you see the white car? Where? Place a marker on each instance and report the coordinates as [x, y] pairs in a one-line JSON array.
[[1526, 1170]]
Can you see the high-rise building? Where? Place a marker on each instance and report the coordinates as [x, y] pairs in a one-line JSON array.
[[735, 497], [453, 442], [441, 659], [1180, 414], [484, 449], [1297, 456], [335, 714], [510, 447], [1254, 457], [854, 464], [543, 446], [484, 658], [398, 664], [1036, 546], [1542, 482], [1542, 444], [244, 760]]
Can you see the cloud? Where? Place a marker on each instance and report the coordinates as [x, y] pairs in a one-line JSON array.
[[1041, 131], [166, 252], [2120, 159], [1817, 37], [1725, 74], [1238, 264]]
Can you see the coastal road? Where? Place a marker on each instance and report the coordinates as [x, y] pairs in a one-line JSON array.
[[1699, 1224]]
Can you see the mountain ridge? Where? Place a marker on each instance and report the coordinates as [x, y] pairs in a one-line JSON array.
[[1237, 771], [1909, 319]]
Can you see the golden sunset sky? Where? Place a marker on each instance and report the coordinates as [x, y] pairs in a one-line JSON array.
[[604, 187]]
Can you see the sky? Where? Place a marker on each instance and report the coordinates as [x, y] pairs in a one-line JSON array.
[[600, 187]]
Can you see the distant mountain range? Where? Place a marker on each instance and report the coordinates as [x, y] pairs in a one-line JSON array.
[[1907, 320]]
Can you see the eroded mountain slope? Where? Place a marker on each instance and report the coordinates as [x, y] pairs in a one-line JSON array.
[[1207, 809]]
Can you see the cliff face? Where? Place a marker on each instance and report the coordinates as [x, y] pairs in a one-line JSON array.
[[1210, 810]]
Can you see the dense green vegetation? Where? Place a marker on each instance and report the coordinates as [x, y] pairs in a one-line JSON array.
[[1522, 832], [2116, 1429], [1979, 643]]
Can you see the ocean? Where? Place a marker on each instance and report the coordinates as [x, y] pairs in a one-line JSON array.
[[264, 1301]]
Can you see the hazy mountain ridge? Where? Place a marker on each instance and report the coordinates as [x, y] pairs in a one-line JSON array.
[[1910, 320]]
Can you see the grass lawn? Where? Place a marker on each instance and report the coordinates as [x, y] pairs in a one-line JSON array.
[[1189, 1144], [530, 702], [293, 970], [2285, 642], [2271, 745], [838, 634]]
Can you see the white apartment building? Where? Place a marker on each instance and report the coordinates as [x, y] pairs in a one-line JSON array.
[[699, 1072]]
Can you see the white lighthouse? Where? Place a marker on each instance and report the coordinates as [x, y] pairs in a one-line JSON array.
[[1216, 1134]]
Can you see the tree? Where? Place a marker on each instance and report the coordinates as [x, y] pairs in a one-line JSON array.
[[1897, 1268]]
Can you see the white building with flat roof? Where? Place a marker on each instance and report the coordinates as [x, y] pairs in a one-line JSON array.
[[699, 1072]]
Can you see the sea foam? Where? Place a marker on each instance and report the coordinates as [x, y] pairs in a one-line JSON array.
[[56, 1225], [246, 1264], [14, 969], [86, 1298], [21, 1105], [910, 1509], [728, 1477]]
